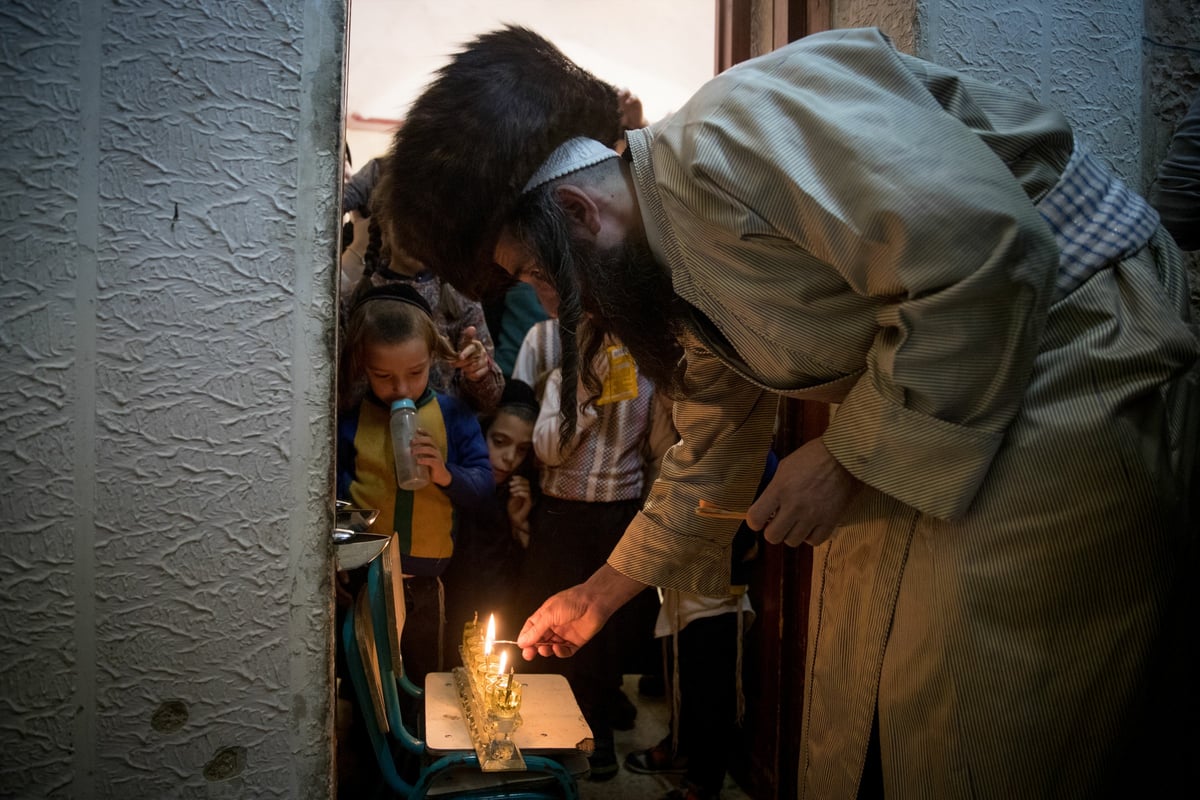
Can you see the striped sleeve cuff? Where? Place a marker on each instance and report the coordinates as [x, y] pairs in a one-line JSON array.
[[657, 556], [930, 464]]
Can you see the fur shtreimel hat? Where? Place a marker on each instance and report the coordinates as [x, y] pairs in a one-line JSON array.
[[474, 137]]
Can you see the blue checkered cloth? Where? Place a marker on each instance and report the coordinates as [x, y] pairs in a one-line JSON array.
[[1096, 221]]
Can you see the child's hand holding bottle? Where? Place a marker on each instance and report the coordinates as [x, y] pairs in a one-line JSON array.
[[426, 452]]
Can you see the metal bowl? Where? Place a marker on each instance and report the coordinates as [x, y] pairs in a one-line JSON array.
[[354, 549]]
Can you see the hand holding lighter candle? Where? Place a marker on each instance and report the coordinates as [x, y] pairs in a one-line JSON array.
[[535, 644]]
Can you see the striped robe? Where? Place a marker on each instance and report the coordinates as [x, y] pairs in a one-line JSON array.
[[860, 227]]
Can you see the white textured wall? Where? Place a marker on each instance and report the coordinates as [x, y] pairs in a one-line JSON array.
[[1172, 73], [1083, 57], [167, 224], [1171, 80], [896, 18], [1123, 71]]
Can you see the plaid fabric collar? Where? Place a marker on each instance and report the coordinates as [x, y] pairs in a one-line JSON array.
[[1096, 220]]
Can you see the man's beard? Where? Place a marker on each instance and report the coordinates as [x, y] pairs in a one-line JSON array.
[[620, 292]]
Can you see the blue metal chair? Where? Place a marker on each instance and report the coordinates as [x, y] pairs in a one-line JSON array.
[[366, 642]]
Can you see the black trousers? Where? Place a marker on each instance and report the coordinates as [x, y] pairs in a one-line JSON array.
[[707, 698], [423, 618], [569, 540]]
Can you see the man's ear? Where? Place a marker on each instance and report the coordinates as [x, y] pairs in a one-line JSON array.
[[580, 207]]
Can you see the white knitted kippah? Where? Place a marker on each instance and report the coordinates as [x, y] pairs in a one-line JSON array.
[[570, 156]]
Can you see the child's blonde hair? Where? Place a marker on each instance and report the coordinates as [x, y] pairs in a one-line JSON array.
[[388, 314]]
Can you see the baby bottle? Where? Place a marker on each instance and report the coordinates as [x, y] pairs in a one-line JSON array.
[[409, 474]]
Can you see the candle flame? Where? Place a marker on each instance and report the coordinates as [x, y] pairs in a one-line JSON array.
[[503, 663], [490, 637]]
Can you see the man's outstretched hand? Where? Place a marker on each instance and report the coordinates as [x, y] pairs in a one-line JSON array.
[[569, 619]]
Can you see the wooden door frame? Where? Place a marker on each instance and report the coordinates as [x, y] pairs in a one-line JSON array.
[[790, 20], [733, 33]]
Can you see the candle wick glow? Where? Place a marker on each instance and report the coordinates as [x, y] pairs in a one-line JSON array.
[[491, 635]]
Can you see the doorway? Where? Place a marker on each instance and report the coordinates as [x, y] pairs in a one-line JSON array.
[[394, 50]]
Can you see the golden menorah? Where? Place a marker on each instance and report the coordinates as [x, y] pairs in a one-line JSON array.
[[490, 696]]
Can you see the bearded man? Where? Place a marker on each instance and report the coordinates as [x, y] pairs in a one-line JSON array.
[[1000, 505]]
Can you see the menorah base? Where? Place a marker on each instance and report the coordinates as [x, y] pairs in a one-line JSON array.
[[491, 734]]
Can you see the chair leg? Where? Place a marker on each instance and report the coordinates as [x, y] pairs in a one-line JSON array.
[[391, 684], [564, 780], [379, 740]]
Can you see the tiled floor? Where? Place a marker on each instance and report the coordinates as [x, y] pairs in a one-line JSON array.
[[652, 721]]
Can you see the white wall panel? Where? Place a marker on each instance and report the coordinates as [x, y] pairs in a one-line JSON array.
[[168, 222]]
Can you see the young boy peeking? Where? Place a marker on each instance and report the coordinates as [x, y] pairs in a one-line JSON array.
[[492, 539]]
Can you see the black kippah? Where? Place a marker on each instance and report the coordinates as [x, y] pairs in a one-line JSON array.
[[518, 393], [403, 292]]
